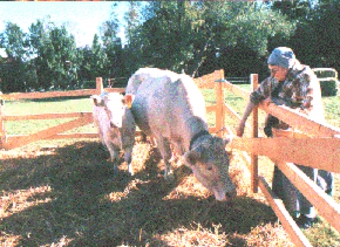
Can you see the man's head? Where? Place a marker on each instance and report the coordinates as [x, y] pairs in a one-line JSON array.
[[280, 61]]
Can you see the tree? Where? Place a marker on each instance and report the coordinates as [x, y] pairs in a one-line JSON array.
[[166, 38], [54, 57], [13, 70], [132, 52], [200, 36], [248, 36], [295, 10], [93, 61], [112, 46], [316, 40]]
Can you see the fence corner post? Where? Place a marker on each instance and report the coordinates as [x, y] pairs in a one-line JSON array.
[[2, 122], [220, 112], [254, 158], [99, 85]]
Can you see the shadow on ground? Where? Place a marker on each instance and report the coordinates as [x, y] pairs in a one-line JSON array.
[[89, 205]]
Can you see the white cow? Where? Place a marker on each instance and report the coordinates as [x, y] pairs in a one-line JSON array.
[[116, 126], [171, 108]]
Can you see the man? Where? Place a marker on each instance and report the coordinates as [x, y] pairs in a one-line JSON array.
[[295, 86]]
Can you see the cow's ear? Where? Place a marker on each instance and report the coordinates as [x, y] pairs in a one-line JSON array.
[[227, 140], [191, 158], [128, 99], [97, 100], [106, 98]]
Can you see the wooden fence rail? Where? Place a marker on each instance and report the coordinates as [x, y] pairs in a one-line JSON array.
[[295, 147]]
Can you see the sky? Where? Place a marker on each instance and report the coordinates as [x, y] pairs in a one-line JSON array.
[[83, 18]]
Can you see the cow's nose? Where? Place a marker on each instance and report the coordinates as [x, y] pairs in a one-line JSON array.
[[231, 194]]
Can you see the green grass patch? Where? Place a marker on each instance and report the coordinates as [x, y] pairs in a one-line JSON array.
[[33, 107]]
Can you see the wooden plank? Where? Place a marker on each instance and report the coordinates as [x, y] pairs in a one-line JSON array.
[[243, 80], [254, 159], [236, 90], [14, 138], [208, 81], [321, 153], [54, 94], [212, 129], [300, 121], [48, 132], [289, 133], [220, 114], [115, 90], [48, 116], [89, 135], [73, 136], [211, 108], [2, 120], [99, 85], [325, 204], [231, 112], [294, 232]]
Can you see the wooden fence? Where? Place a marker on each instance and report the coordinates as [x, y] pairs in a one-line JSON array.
[[78, 118], [313, 144], [238, 80], [57, 132]]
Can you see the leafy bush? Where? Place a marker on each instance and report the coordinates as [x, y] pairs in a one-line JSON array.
[[329, 87], [328, 80]]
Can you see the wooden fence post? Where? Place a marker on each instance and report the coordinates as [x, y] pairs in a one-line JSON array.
[[99, 85], [2, 122], [220, 112], [254, 158]]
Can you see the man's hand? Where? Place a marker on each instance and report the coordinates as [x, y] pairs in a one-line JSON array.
[[240, 129], [267, 101]]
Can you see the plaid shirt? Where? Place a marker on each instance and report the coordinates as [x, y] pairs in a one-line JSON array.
[[301, 89]]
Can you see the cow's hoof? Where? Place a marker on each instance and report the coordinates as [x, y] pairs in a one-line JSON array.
[[131, 172], [169, 176], [115, 170]]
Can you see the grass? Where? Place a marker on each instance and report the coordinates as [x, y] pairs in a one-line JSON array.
[[67, 194], [31, 107]]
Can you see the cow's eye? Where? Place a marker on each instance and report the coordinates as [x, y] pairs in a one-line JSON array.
[[209, 168]]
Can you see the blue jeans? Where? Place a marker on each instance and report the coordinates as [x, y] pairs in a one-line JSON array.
[[292, 198]]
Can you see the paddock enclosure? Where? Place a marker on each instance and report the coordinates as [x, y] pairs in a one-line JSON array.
[[309, 143]]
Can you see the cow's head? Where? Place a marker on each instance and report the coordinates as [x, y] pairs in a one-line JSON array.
[[209, 162], [114, 106]]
